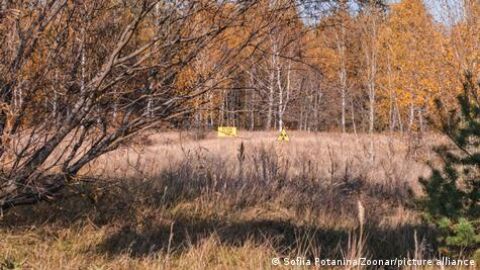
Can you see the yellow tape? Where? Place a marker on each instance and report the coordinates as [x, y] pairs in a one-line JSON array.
[[227, 131]]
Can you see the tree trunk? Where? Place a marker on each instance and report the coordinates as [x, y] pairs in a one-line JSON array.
[[411, 118], [222, 110], [300, 121], [420, 120], [268, 123], [315, 112], [354, 125], [343, 71], [399, 116], [371, 112]]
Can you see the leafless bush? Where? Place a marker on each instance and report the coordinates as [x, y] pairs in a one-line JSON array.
[[108, 70]]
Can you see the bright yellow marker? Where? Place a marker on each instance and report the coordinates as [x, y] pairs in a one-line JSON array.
[[283, 136], [227, 131]]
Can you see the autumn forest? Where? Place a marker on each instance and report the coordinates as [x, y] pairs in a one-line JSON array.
[[113, 153], [307, 65]]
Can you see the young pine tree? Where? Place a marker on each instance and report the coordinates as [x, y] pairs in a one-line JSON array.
[[452, 193]]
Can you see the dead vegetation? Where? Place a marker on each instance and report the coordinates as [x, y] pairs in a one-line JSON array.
[[230, 204]]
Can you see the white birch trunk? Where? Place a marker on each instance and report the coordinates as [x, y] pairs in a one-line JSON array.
[[342, 75], [271, 90]]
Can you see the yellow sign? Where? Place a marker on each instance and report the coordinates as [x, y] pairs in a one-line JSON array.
[[283, 136], [227, 131]]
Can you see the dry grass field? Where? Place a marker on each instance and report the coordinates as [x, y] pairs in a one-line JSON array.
[[170, 201]]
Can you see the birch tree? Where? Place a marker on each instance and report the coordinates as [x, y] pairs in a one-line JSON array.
[[370, 50]]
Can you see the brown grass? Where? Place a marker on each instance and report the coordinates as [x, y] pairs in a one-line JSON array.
[[171, 202]]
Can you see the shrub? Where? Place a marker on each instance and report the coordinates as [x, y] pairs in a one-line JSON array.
[[452, 193]]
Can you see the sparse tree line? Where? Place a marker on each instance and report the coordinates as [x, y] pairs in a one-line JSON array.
[[370, 67], [311, 65]]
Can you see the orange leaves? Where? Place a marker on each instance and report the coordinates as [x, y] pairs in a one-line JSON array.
[[411, 57]]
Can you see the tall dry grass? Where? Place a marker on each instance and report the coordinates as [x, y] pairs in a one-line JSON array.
[[168, 201]]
